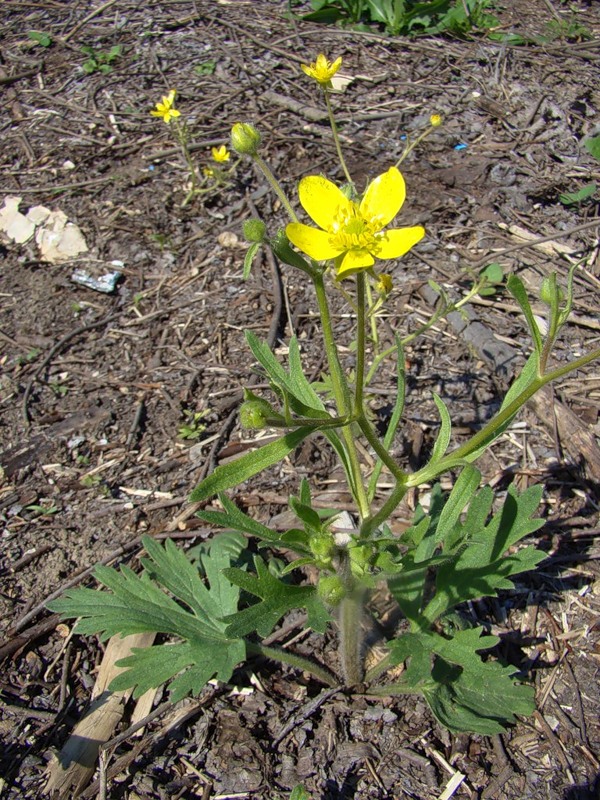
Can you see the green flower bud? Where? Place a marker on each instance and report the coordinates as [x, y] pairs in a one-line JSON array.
[[331, 589], [245, 139], [360, 558], [322, 548], [255, 413], [254, 230]]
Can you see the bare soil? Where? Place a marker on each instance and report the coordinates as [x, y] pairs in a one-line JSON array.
[[95, 388]]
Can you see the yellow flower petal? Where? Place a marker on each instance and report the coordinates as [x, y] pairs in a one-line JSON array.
[[384, 198], [220, 154], [322, 200], [398, 241], [353, 261], [313, 242]]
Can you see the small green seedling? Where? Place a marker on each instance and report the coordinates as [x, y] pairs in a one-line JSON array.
[[205, 68], [193, 427], [39, 37], [98, 61], [42, 511]]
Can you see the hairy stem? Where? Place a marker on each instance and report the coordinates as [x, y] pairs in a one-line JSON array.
[[299, 662]]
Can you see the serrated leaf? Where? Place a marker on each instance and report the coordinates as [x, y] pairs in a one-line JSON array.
[[481, 567], [464, 692], [277, 598], [188, 665], [139, 603], [229, 475], [233, 517]]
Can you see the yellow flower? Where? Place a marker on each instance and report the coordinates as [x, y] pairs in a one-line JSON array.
[[208, 172], [435, 120], [165, 109], [352, 233], [220, 154], [322, 70]]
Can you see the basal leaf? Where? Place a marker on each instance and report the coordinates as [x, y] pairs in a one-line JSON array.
[[169, 597], [277, 598], [464, 692]]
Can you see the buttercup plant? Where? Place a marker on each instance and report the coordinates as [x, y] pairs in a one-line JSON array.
[[466, 545], [213, 176]]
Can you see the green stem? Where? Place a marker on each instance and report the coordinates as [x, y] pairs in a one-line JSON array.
[[379, 448], [336, 138], [360, 344], [441, 312], [275, 185], [299, 662], [350, 614], [482, 436], [341, 393], [385, 512]]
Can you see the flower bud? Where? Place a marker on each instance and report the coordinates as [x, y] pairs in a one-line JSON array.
[[322, 548], [254, 230], [331, 589], [245, 139], [255, 411]]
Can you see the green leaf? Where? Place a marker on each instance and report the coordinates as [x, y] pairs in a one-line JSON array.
[[461, 495], [233, 517], [299, 793], [302, 396], [573, 198], [250, 464], [464, 692], [525, 378], [277, 597], [443, 438], [43, 39], [249, 258], [493, 273], [190, 611], [592, 145], [205, 68], [481, 567], [517, 289]]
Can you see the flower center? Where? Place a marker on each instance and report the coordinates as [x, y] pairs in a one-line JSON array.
[[351, 231]]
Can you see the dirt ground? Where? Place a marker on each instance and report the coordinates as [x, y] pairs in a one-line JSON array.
[[97, 390]]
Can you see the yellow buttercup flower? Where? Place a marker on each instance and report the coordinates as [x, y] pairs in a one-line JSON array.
[[322, 70], [435, 120], [352, 233], [165, 110], [220, 154]]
